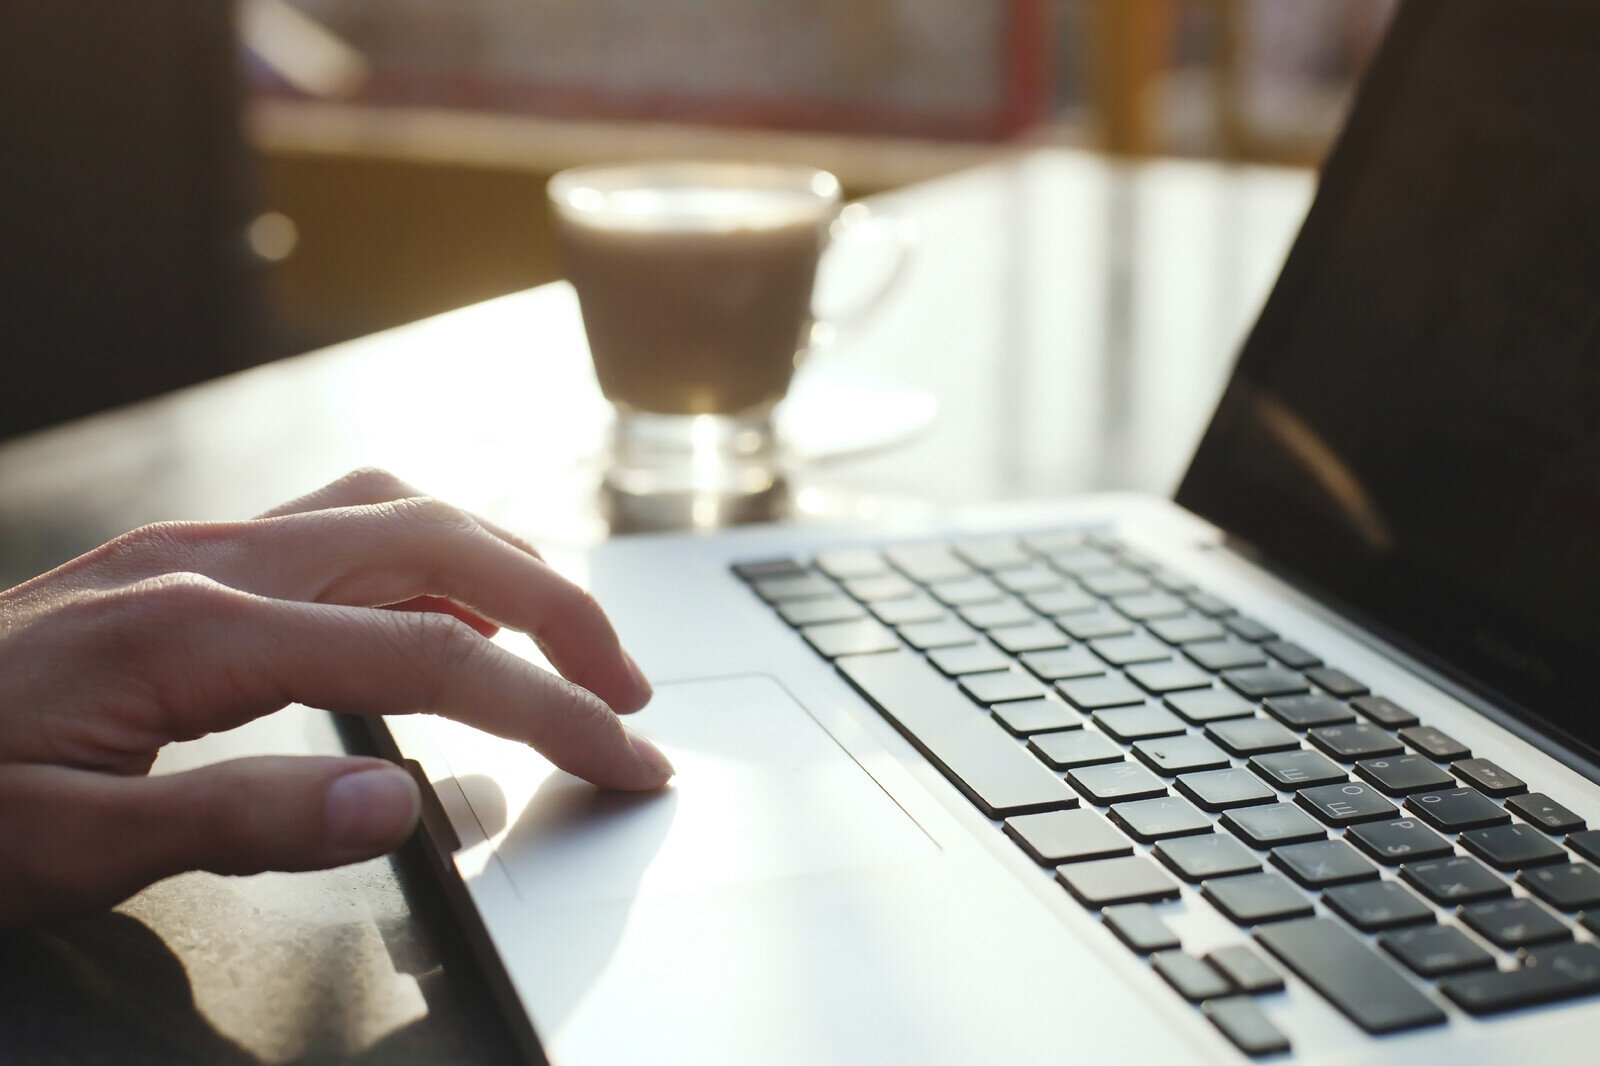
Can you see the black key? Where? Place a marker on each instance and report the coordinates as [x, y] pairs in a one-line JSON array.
[[1183, 754], [1320, 863], [1440, 747], [1025, 717], [1208, 604], [1544, 812], [994, 553], [927, 563], [1272, 824], [795, 587], [1095, 693], [1590, 920], [1116, 582], [1150, 820], [1198, 858], [1290, 770], [1364, 985], [1007, 612], [1252, 898], [1260, 682], [1012, 684], [1034, 578], [1515, 923], [969, 748], [1346, 804], [1251, 736], [1136, 648], [1140, 927], [1585, 842], [1175, 675], [969, 659], [1103, 882], [834, 608], [1035, 636], [1146, 606], [861, 637], [1569, 887], [1248, 971], [889, 586], [1218, 790], [1194, 979], [1091, 625], [1374, 905], [966, 591], [945, 633], [1455, 879], [1456, 809], [1488, 778], [1547, 975], [1291, 654], [1404, 774], [1068, 751], [1398, 841], [1116, 782], [1068, 599], [1054, 838], [1128, 724], [765, 569], [1060, 664], [1224, 654], [1250, 629], [1187, 629], [1384, 711], [1336, 682], [1241, 1020], [1357, 740], [1303, 712], [1512, 847], [1208, 705], [1435, 950]]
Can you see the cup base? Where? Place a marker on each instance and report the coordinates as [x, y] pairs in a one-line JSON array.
[[692, 471]]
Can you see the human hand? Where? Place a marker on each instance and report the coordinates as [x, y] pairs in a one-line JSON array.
[[362, 597]]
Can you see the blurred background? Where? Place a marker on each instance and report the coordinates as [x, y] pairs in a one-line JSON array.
[[189, 187]]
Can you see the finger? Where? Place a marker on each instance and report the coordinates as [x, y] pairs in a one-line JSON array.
[[76, 840], [440, 605]]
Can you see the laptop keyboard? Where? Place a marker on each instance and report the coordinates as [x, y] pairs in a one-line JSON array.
[[1134, 732]]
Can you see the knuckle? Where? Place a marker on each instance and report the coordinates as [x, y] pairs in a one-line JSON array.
[[449, 646], [434, 514], [374, 482]]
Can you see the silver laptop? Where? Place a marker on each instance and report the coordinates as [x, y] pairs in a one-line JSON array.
[[1294, 768]]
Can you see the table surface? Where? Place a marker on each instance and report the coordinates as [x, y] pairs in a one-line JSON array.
[[1066, 325]]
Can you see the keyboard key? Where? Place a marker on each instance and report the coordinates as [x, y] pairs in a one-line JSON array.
[[1440, 747], [1547, 975], [1175, 675], [1336, 682], [1358, 740], [1397, 841], [1585, 842], [1456, 809], [1208, 705], [1515, 923], [1272, 824], [1080, 561], [1512, 847], [947, 633], [1252, 898], [1090, 625], [1187, 629], [1218, 790], [1109, 783], [908, 610], [1006, 612], [1035, 636], [966, 591], [1208, 604], [1194, 979], [1025, 717], [1321, 863], [1436, 950], [1103, 882], [1067, 599], [1182, 754], [834, 608], [1290, 654], [1094, 693], [1068, 751], [1147, 606], [1128, 724], [1260, 682], [1544, 812], [846, 563], [1241, 1020], [1118, 582], [796, 587], [1488, 778], [1246, 969], [1374, 905], [1012, 684], [1209, 855], [1034, 578], [1404, 774], [1224, 654], [1297, 769], [1060, 664], [1055, 838], [1303, 712], [762, 569], [862, 637], [889, 586], [1140, 927], [1125, 651], [1249, 629], [994, 553], [927, 563], [969, 659], [1568, 887], [1156, 819], [1368, 988], [1346, 804], [1384, 712], [1455, 879], [969, 748], [1251, 736]]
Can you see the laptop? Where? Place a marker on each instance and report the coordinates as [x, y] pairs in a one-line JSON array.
[[1299, 767]]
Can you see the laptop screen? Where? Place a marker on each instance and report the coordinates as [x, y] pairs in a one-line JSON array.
[[1414, 424]]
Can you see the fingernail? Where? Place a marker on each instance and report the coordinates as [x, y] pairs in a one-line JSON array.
[[651, 756], [638, 675], [371, 809]]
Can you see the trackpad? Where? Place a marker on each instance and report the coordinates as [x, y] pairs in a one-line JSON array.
[[762, 792]]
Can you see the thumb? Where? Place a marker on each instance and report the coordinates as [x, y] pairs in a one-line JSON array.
[[75, 840]]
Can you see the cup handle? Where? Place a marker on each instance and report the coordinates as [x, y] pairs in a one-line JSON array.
[[860, 226]]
